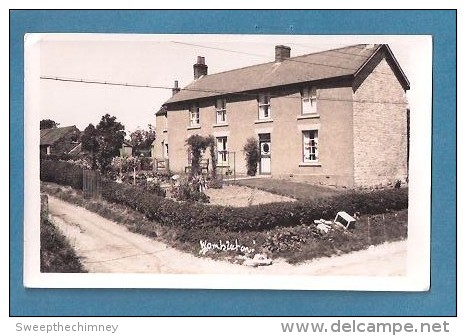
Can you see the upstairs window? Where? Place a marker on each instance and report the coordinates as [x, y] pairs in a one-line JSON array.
[[311, 146], [221, 108], [264, 106], [194, 115], [309, 100]]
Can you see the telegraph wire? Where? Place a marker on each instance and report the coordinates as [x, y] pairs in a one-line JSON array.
[[246, 53], [221, 49], [218, 92], [292, 59]]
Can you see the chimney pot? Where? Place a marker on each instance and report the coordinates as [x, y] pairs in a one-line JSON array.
[[200, 60], [200, 68], [282, 52], [175, 88]]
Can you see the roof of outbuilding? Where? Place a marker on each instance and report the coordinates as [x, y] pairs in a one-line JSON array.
[[51, 135], [307, 68]]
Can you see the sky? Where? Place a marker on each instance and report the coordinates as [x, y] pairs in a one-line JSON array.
[[159, 60]]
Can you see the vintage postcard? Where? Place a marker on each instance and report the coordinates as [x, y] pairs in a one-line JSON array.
[[228, 161]]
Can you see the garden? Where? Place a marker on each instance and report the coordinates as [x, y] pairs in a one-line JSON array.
[[282, 229], [273, 218]]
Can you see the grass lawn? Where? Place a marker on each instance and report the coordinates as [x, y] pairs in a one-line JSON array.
[[297, 190]]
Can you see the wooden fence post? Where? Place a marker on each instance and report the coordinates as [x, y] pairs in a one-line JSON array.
[[44, 206]]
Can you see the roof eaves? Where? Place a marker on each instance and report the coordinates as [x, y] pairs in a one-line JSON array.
[[405, 78]]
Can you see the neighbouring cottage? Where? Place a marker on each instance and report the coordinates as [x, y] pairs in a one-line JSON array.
[[337, 117], [60, 141], [126, 149]]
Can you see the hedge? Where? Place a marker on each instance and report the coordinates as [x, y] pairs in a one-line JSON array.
[[253, 218], [61, 172]]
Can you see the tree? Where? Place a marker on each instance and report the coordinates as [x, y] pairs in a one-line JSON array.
[[103, 141], [142, 139], [252, 152], [48, 123], [90, 143]]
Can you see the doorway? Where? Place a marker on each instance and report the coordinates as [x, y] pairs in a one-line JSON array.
[[266, 150]]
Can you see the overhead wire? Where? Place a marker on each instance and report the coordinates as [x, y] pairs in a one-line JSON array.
[[218, 92]]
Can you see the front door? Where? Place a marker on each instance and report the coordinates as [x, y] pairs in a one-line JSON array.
[[265, 148]]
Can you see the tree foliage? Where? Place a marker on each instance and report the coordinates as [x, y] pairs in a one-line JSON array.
[[103, 141], [48, 123], [197, 145], [252, 152], [141, 139]]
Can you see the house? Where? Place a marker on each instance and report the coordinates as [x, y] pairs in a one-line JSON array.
[[59, 140], [126, 149], [337, 117]]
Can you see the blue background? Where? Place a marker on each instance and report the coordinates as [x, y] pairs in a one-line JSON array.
[[439, 301]]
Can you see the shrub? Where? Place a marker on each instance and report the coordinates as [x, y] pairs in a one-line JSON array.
[[253, 218], [152, 186], [61, 172], [252, 152], [190, 190], [215, 183]]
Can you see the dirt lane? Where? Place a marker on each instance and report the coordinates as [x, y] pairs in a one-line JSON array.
[[107, 247]]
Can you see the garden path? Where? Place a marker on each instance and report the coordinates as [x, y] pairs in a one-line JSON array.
[[107, 247]]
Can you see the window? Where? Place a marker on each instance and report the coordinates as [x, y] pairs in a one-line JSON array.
[[221, 108], [222, 153], [310, 146], [309, 100], [194, 115], [164, 150], [264, 106]]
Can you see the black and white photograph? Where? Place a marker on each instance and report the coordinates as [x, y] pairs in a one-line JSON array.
[[228, 161]]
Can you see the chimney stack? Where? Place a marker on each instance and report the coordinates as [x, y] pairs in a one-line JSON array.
[[282, 52], [175, 88], [200, 68]]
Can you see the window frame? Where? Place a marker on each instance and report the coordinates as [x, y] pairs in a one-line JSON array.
[[313, 136], [262, 102], [224, 151], [309, 98], [221, 109], [194, 115]]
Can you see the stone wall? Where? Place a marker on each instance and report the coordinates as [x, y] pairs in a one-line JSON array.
[[380, 129]]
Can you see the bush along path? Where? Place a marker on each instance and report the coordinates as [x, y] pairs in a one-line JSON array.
[[56, 254], [279, 230], [107, 247]]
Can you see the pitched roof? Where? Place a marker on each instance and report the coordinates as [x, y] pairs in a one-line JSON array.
[[161, 112], [78, 149], [307, 68], [51, 135]]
